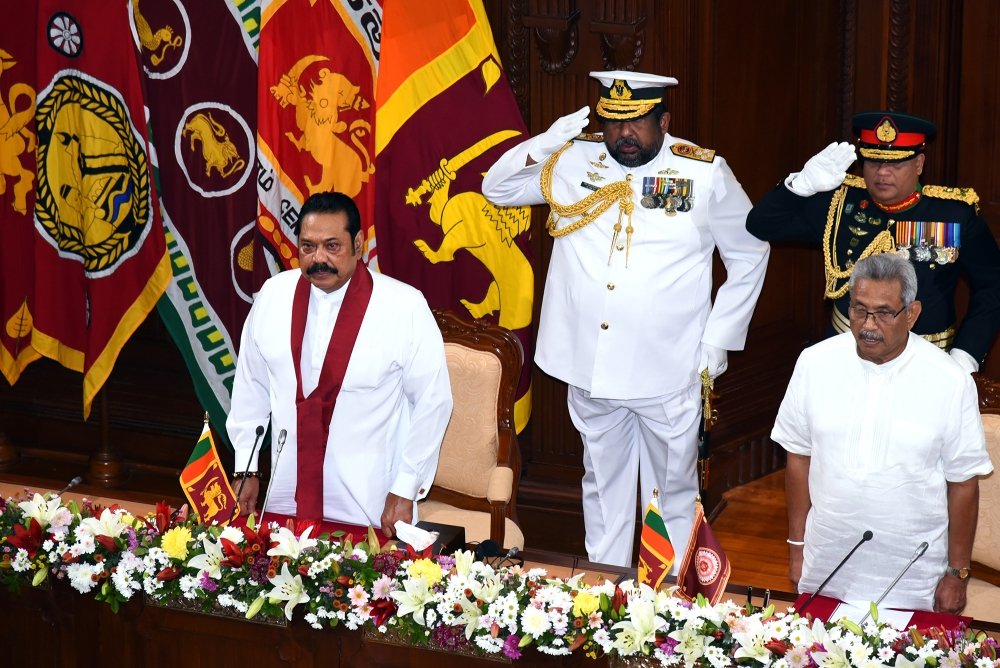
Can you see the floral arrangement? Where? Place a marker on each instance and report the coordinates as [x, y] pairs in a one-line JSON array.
[[451, 602]]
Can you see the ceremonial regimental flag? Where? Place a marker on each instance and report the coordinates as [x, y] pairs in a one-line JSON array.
[[315, 92], [100, 256], [656, 553], [444, 114], [18, 138], [205, 483], [705, 567], [200, 75]]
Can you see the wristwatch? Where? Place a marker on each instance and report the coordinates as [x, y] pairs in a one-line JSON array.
[[960, 573]]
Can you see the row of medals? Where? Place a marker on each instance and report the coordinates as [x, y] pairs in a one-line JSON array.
[[918, 253]]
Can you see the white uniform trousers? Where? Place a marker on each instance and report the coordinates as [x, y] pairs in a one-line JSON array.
[[659, 436]]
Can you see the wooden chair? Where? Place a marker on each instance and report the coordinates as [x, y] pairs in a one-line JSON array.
[[983, 593], [480, 465]]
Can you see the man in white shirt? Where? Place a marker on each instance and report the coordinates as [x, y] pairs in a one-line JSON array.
[[627, 318], [883, 433], [351, 366]]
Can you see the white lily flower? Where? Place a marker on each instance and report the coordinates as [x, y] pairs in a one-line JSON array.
[[414, 598], [40, 509], [210, 561], [288, 588], [751, 641], [111, 524], [463, 562], [691, 643], [640, 628], [290, 546]]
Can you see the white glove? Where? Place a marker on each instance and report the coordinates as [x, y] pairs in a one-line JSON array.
[[965, 360], [716, 360], [553, 139], [824, 171]]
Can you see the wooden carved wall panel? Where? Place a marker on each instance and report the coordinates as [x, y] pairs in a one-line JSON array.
[[978, 126], [621, 25], [899, 55]]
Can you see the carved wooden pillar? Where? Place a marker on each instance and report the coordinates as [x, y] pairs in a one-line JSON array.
[[623, 35], [105, 464], [556, 33]]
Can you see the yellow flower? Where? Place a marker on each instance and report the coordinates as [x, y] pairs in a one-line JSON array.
[[584, 604], [426, 569], [175, 542]]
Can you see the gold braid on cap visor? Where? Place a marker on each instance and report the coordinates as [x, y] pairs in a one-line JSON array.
[[886, 154], [623, 110], [590, 207]]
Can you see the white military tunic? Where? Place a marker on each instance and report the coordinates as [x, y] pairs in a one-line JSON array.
[[392, 410], [622, 333], [883, 441]]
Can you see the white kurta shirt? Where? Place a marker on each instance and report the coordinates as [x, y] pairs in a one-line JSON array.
[[632, 332], [391, 413], [883, 441]]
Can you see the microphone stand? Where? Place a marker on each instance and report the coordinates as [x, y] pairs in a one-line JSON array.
[[865, 537], [246, 472], [70, 485], [274, 467], [919, 552]]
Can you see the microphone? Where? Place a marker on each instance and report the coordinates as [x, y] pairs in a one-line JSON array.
[[919, 552], [70, 485], [246, 472], [865, 537], [274, 467]]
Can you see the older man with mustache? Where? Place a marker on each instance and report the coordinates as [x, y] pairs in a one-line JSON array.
[[350, 364], [883, 433]]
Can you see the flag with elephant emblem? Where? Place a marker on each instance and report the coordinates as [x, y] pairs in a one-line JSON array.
[[444, 114], [206, 165]]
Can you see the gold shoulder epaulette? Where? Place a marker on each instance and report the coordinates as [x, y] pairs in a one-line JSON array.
[[693, 152], [590, 136], [854, 181], [967, 195]]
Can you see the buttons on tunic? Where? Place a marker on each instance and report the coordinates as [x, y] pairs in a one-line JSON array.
[[611, 286], [620, 246], [604, 325]]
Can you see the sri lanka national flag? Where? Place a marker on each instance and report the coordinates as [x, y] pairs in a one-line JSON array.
[[206, 485], [656, 553]]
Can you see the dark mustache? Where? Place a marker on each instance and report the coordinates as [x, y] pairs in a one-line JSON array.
[[321, 266], [627, 141]]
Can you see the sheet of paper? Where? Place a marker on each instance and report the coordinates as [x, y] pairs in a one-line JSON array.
[[898, 618]]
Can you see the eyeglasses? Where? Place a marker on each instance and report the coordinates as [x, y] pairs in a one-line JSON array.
[[881, 316]]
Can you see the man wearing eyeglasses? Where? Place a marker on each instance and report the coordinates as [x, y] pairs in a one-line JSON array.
[[938, 229], [883, 433]]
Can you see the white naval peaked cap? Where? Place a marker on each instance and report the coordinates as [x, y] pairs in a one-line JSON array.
[[626, 95]]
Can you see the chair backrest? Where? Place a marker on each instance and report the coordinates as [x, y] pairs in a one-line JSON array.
[[484, 363], [986, 548]]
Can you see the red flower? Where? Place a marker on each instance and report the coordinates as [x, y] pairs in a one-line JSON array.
[[775, 646], [619, 600], [382, 610], [169, 573], [107, 542], [234, 555], [30, 539]]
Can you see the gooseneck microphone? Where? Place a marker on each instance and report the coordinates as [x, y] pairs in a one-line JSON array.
[[919, 552], [246, 473], [70, 485], [865, 537], [274, 467]]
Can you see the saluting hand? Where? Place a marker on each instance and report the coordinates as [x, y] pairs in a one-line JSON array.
[[560, 132], [824, 171]]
